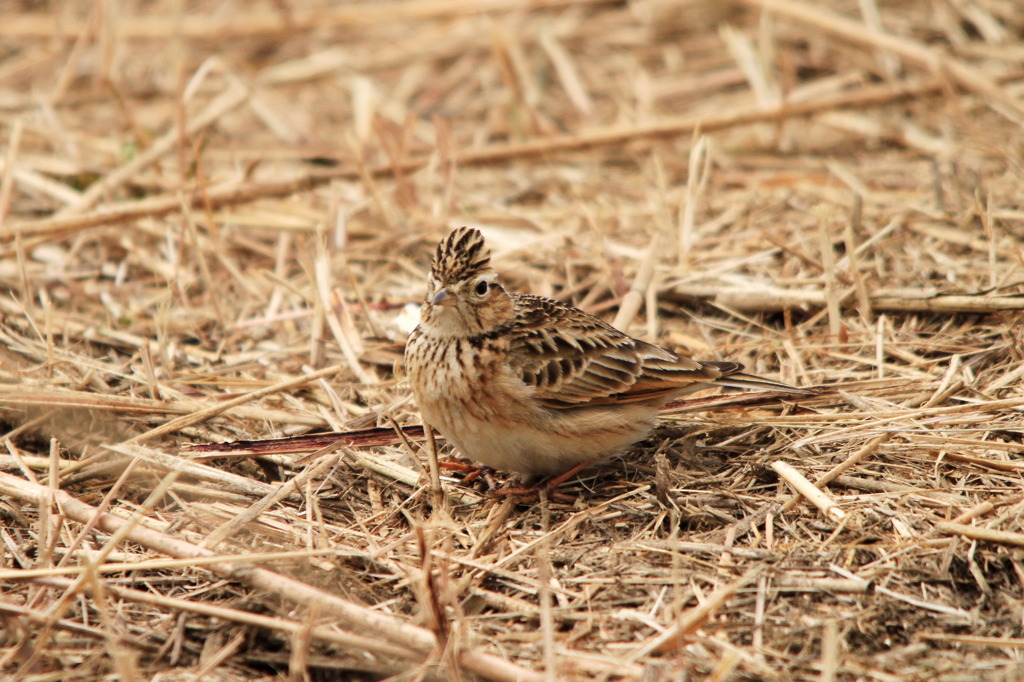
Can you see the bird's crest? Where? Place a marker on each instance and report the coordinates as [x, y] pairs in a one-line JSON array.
[[461, 255]]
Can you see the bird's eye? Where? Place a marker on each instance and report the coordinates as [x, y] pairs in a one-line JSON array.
[[482, 287]]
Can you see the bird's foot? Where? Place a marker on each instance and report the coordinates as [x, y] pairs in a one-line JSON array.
[[528, 489], [486, 473], [473, 471], [563, 477], [549, 487], [452, 463]]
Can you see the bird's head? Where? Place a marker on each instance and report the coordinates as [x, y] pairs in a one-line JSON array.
[[464, 297]]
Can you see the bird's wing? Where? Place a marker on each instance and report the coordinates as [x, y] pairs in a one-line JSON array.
[[572, 358]]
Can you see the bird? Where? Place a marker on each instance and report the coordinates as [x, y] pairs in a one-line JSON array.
[[533, 385]]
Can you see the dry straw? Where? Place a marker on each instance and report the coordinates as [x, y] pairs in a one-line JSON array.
[[215, 222]]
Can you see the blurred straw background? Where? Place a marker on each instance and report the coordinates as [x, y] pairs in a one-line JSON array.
[[216, 222]]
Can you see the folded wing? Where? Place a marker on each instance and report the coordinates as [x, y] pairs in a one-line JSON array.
[[572, 358]]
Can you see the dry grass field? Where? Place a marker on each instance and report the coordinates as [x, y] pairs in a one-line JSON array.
[[216, 223]]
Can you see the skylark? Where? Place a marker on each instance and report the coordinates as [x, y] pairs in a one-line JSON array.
[[533, 385]]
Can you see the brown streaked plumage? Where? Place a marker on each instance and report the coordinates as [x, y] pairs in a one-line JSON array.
[[534, 385]]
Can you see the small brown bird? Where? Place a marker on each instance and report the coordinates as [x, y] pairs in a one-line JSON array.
[[533, 385]]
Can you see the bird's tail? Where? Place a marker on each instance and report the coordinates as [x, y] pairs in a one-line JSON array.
[[738, 379]]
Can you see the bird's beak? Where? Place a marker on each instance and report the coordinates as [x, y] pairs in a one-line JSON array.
[[443, 298]]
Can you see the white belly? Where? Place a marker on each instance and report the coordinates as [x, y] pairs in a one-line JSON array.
[[539, 440]]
